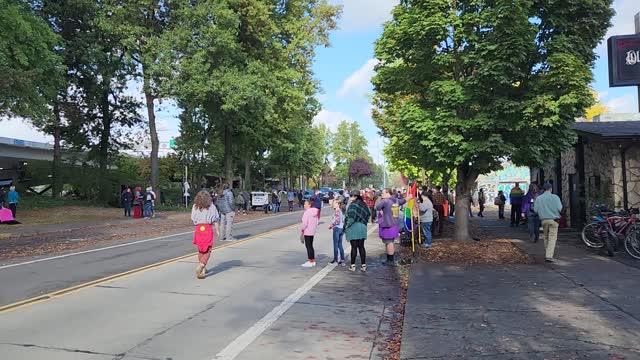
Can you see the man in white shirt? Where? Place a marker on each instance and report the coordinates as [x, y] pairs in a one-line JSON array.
[[426, 219]]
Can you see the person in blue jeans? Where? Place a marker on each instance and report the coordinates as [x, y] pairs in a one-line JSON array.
[[426, 218], [275, 199], [337, 224]]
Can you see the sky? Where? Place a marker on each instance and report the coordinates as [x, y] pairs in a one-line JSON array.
[[346, 67]]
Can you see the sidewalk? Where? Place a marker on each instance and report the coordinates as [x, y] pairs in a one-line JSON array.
[[583, 306]]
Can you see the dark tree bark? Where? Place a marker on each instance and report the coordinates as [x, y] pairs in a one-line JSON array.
[[247, 174], [228, 155], [155, 143], [104, 146], [56, 185], [466, 178]]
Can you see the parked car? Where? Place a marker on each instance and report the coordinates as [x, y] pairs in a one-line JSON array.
[[325, 194], [307, 194]]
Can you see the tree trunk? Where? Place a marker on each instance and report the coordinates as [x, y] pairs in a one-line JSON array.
[[446, 177], [466, 179], [104, 147], [228, 156], [56, 181], [155, 143], [247, 174]]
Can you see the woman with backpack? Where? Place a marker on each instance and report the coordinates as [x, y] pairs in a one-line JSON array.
[[149, 198], [388, 214], [355, 228]]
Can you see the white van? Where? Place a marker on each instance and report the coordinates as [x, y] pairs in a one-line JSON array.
[[259, 199]]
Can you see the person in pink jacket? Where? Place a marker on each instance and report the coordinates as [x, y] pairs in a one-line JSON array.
[[309, 225]]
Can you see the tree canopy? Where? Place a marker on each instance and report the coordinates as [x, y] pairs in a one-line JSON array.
[[465, 84], [29, 66]]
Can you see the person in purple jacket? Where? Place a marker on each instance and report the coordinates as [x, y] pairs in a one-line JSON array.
[[388, 212]]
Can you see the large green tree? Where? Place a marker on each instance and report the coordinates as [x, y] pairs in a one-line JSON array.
[[144, 28], [30, 68], [348, 143], [464, 84], [247, 65]]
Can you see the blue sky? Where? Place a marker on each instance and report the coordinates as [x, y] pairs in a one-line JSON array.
[[345, 70]]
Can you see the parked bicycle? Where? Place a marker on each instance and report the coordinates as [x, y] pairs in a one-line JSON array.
[[607, 229]]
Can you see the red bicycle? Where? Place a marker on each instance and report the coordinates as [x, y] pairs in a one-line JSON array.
[[609, 228]]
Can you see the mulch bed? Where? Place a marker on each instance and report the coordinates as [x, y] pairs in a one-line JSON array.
[[489, 250], [485, 252]]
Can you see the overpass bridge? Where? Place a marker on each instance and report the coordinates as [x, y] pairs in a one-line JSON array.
[[15, 155]]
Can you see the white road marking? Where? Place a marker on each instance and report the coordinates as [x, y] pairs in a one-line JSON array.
[[238, 345], [122, 245]]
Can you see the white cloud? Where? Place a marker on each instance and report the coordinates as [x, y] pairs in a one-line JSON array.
[[359, 82], [622, 22], [623, 104], [360, 15], [21, 129], [331, 118]]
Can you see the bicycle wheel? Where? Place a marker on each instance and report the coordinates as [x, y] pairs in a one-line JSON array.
[[632, 242], [592, 235]]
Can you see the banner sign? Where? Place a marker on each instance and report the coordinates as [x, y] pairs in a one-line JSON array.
[[624, 60]]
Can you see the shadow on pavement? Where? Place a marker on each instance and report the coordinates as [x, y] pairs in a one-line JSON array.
[[222, 267]]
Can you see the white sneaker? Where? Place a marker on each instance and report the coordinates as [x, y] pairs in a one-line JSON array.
[[309, 264]]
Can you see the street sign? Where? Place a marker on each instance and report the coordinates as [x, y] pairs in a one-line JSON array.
[[172, 144], [624, 60]]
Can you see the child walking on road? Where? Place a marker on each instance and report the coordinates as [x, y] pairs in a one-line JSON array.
[[309, 226], [337, 224], [204, 215]]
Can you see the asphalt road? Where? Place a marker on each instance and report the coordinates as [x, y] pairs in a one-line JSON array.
[[28, 280], [257, 302]]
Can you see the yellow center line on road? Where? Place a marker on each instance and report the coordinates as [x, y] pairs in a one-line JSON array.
[[70, 290]]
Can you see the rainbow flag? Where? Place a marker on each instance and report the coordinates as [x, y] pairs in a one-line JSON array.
[[408, 208]]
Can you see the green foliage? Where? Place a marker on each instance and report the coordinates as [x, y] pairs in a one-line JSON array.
[[347, 144], [29, 66], [246, 67], [466, 84]]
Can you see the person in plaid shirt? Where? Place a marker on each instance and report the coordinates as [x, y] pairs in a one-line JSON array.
[[369, 198], [438, 205]]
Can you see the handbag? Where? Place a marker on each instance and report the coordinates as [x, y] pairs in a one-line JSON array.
[[301, 238], [497, 201]]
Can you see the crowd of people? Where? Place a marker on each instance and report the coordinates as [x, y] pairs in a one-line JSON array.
[[538, 208], [143, 203], [351, 213]]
